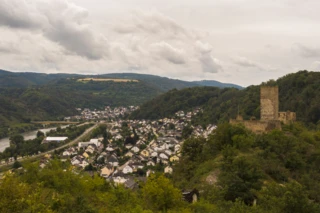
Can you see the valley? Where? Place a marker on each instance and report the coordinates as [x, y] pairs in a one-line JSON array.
[[180, 140]]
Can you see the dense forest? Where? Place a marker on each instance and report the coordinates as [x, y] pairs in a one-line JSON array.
[[298, 92], [19, 106], [273, 172], [234, 170]]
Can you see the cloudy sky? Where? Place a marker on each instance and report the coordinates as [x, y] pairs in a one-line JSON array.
[[239, 41]]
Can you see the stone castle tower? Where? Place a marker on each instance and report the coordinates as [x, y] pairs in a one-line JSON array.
[[271, 118], [269, 103]]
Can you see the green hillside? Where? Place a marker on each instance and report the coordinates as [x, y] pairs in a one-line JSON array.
[[212, 83], [233, 170], [54, 101], [27, 79], [38, 96], [162, 83], [272, 172], [298, 92]]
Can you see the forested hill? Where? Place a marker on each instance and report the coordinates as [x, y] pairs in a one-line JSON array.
[[19, 106], [213, 83], [24, 79], [38, 96], [27, 79], [298, 92]]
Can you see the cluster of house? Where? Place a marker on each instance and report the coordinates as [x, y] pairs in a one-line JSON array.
[[135, 148], [188, 115], [107, 114]]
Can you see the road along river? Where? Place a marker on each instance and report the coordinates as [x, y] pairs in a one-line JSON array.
[[5, 142]]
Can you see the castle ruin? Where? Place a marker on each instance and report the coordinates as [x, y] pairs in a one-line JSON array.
[[271, 118]]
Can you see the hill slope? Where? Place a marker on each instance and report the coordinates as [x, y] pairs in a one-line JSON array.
[[212, 83], [278, 170], [54, 101], [27, 79], [298, 92]]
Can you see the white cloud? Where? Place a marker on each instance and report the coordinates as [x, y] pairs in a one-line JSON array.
[[158, 44], [209, 64], [203, 47], [185, 39], [58, 20], [20, 14], [153, 23], [9, 47], [305, 51], [315, 66], [245, 62], [168, 52]]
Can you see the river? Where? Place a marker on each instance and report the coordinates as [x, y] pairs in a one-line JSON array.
[[5, 142]]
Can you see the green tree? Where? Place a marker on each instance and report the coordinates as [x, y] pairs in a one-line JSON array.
[[288, 198], [239, 178], [16, 140], [159, 194], [187, 131], [16, 165], [40, 134]]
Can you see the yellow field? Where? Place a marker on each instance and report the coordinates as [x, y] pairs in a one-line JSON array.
[[107, 79]]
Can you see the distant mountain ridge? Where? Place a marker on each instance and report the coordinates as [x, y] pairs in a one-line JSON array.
[[213, 83], [26, 79]]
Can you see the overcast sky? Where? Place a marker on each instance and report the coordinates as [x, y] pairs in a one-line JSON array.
[[238, 41]]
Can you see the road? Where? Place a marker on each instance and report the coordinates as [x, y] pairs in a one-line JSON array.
[[58, 148], [54, 122]]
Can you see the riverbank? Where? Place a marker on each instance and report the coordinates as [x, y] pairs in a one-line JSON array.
[[6, 166], [5, 142]]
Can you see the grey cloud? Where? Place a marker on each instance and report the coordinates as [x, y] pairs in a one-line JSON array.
[[209, 64], [59, 20], [168, 52], [243, 61], [315, 66], [148, 42], [79, 40], [19, 14], [305, 51], [152, 22], [203, 48], [8, 47]]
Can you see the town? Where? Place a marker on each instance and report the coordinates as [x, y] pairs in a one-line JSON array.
[[130, 150]]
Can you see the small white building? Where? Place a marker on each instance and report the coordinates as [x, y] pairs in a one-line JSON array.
[[127, 169], [55, 139], [91, 142], [83, 164], [119, 180], [163, 156], [168, 170], [135, 149]]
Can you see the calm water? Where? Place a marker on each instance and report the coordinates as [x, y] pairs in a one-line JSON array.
[[5, 142]]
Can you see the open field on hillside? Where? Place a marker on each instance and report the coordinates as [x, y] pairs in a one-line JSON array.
[[107, 79]]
